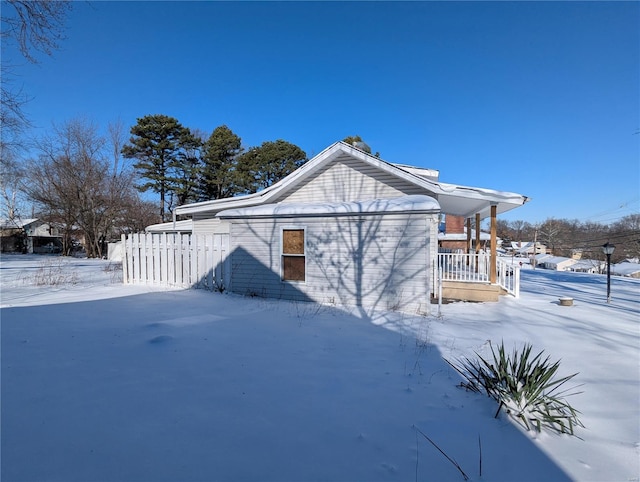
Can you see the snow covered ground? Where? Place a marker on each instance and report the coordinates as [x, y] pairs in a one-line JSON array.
[[105, 382]]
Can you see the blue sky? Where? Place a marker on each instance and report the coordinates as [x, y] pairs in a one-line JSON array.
[[536, 98]]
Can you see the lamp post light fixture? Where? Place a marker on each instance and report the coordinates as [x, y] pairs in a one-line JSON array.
[[608, 249]]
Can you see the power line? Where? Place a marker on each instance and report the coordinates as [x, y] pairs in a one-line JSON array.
[[614, 210]]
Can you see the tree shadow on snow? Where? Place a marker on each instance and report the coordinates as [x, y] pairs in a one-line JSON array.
[[190, 385]]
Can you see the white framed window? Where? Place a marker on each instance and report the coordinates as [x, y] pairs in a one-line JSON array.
[[293, 253]]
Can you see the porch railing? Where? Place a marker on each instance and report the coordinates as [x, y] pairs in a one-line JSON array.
[[470, 268], [508, 277], [474, 268]]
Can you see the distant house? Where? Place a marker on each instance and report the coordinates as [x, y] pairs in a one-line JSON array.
[[592, 266], [527, 249], [557, 263], [29, 236], [626, 268], [346, 227]]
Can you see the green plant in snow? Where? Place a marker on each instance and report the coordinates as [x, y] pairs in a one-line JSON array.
[[524, 386]]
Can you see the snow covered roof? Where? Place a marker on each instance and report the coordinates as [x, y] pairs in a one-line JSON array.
[[453, 199], [16, 223], [432, 174], [414, 203], [185, 226], [625, 269], [586, 264], [542, 257], [555, 260], [463, 236]]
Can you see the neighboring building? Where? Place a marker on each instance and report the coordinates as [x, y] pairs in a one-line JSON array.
[[346, 227], [557, 263], [626, 268], [592, 266], [29, 236], [527, 249], [576, 253]]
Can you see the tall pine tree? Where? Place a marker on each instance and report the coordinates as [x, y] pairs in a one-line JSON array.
[[186, 170], [156, 143], [219, 174], [261, 167]]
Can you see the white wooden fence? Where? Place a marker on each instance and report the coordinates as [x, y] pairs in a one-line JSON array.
[[180, 260]]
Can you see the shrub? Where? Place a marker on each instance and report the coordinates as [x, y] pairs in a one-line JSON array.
[[54, 272], [524, 385]]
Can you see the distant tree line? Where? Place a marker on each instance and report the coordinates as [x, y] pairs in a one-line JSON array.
[[183, 165], [564, 237], [78, 180]]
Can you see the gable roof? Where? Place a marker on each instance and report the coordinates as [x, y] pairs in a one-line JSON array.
[[458, 200]]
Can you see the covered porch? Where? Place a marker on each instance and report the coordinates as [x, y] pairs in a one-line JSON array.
[[473, 273]]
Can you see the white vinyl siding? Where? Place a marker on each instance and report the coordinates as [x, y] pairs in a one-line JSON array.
[[205, 223], [349, 179], [377, 262]]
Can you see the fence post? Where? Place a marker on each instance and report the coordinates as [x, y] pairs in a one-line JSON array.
[[164, 274], [193, 255], [210, 244], [125, 271], [135, 256], [225, 254], [186, 252]]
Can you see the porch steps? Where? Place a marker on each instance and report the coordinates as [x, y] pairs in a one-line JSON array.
[[461, 291]]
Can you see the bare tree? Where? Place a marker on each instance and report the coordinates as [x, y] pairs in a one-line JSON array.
[[36, 26], [117, 138], [553, 233], [11, 184], [73, 182]]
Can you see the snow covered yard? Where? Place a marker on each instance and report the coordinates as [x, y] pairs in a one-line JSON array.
[[104, 382]]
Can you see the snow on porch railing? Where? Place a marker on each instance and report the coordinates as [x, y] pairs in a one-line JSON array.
[[474, 268], [177, 260]]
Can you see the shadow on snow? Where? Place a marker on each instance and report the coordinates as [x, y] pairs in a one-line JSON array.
[[189, 385]]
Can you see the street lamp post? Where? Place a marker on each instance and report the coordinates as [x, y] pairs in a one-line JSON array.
[[608, 249]]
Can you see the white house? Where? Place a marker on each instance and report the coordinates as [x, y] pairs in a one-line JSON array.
[[558, 263], [346, 227], [592, 266], [527, 249]]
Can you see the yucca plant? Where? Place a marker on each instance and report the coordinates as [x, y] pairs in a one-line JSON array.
[[524, 386]]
